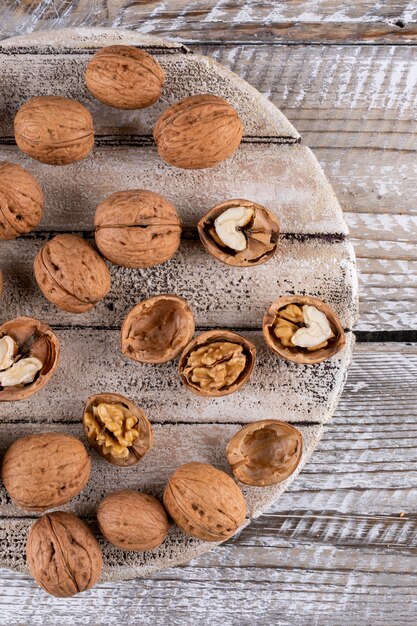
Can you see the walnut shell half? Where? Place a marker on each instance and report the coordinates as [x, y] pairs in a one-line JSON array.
[[205, 502], [63, 555], [117, 429], [265, 452], [157, 329], [217, 363], [21, 201], [285, 317]]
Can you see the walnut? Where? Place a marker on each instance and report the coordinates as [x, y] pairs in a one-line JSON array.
[[198, 132], [239, 233], [157, 330], [117, 429], [46, 470], [265, 452], [137, 228], [21, 201], [124, 77], [204, 502], [29, 355], [133, 521], [63, 555], [303, 329], [217, 363], [71, 274]]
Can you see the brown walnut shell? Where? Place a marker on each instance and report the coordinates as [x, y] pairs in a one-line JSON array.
[[261, 235], [124, 77], [140, 446], [205, 502], [36, 339], [21, 201], [133, 521], [54, 130], [157, 330], [62, 554], [71, 274], [297, 354], [198, 132], [188, 371], [137, 228], [265, 452], [45, 470]]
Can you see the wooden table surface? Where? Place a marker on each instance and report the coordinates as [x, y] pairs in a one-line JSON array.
[[340, 547]]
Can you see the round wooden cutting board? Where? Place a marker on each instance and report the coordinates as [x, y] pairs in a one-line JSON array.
[[273, 168]]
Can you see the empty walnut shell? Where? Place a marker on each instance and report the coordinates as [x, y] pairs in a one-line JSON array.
[[62, 554], [198, 132], [296, 353], [204, 502], [71, 274], [124, 77], [256, 240], [137, 228], [45, 470], [54, 130], [265, 452], [157, 329], [21, 201], [133, 521], [33, 339], [122, 436], [217, 363]]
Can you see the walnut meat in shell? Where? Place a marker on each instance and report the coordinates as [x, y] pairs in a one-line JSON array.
[[133, 521], [29, 356], [137, 228], [21, 201], [71, 274], [54, 130], [198, 132], [45, 470], [240, 233], [124, 77], [117, 429], [217, 363], [157, 329], [265, 452], [204, 502], [303, 329], [62, 554]]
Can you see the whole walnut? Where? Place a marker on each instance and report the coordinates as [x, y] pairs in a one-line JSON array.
[[21, 201], [71, 274], [198, 132], [137, 228], [133, 521], [63, 555], [45, 470], [205, 502], [54, 130], [124, 77]]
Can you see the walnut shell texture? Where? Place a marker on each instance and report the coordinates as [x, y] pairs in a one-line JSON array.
[[204, 502], [124, 77], [71, 274], [33, 338], [54, 130], [158, 329], [198, 132], [63, 555], [265, 452], [45, 470], [137, 228], [21, 201], [133, 521]]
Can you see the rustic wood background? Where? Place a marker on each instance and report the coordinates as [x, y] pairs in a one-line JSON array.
[[340, 547]]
